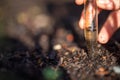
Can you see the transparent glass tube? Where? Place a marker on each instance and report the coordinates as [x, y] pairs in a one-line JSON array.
[[91, 25]]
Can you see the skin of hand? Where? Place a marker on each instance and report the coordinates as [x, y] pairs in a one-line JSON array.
[[112, 23]]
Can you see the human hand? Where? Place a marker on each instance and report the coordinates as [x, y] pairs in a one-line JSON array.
[[112, 23]]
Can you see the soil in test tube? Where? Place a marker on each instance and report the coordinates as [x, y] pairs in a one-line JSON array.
[[91, 41]]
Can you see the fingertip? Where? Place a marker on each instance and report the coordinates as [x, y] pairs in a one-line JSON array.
[[79, 2], [105, 33], [103, 38]]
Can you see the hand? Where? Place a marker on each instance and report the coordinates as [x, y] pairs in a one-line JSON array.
[[113, 21]]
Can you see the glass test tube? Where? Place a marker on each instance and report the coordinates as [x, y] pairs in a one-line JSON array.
[[91, 25]]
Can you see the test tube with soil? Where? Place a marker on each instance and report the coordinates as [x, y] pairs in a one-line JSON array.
[[91, 26]]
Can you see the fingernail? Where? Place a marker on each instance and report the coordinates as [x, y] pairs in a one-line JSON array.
[[102, 39]]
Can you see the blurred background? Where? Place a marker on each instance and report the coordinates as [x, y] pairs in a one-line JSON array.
[[34, 23], [41, 24]]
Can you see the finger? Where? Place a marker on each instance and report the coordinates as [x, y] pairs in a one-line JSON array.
[[79, 2], [82, 18], [111, 25], [109, 4], [81, 22]]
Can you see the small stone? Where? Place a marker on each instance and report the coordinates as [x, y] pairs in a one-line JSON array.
[[116, 69], [73, 49], [66, 53], [61, 61], [57, 47]]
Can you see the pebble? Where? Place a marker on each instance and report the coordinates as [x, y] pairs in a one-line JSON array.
[[57, 47], [66, 53], [116, 69], [61, 60]]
